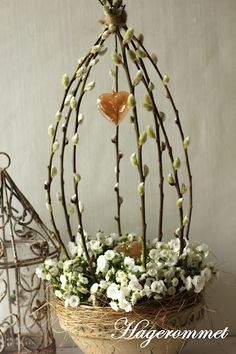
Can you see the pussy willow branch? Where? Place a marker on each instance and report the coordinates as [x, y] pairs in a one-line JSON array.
[[79, 214], [159, 150], [118, 157], [177, 120], [139, 148]]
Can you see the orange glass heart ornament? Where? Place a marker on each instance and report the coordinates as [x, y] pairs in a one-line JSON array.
[[113, 106]]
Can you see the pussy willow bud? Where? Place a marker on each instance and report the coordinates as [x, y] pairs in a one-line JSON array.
[[132, 55], [183, 189], [177, 231], [81, 207], [53, 171], [80, 118], [80, 60], [116, 58], [112, 28], [73, 103], [67, 100], [170, 179], [133, 160], [138, 78], [121, 200], [141, 189], [93, 62], [165, 79], [70, 209], [128, 36], [186, 142], [59, 196], [95, 49], [112, 73], [90, 86], [102, 50], [150, 132], [81, 71], [179, 203], [55, 146], [51, 131], [73, 198], [163, 146], [143, 138], [121, 155], [77, 177], [141, 38], [154, 58], [176, 164], [58, 116], [147, 103], [185, 220], [151, 86], [49, 207], [131, 102], [105, 35], [162, 116], [65, 81], [145, 170], [140, 53], [75, 139], [116, 187]]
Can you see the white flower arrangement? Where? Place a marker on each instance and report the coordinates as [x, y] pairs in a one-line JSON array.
[[121, 279]]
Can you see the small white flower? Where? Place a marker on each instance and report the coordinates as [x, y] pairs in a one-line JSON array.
[[114, 306], [198, 283], [134, 285], [40, 272], [113, 291], [129, 262], [171, 291], [109, 255], [94, 289], [158, 286], [63, 281], [154, 253], [58, 294], [207, 274], [175, 282], [102, 264], [125, 305], [204, 249], [74, 301], [103, 284], [188, 283]]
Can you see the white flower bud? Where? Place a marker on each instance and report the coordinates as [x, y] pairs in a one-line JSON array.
[[185, 220], [140, 53], [51, 131], [138, 78], [176, 164], [143, 138], [73, 103], [170, 179], [116, 58], [81, 71], [183, 189], [186, 142], [75, 139], [70, 209], [48, 207], [65, 81], [53, 171], [179, 203], [81, 207], [131, 102], [55, 146], [154, 58], [80, 118], [58, 116], [145, 170], [59, 196], [133, 160], [165, 79], [90, 86], [150, 132], [77, 177], [128, 36], [147, 103], [141, 188]]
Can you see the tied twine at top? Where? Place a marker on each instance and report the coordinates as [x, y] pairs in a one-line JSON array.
[[118, 19]]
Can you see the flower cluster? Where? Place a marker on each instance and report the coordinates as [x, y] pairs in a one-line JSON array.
[[121, 280]]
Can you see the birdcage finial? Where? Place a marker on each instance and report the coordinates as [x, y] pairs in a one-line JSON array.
[[7, 162]]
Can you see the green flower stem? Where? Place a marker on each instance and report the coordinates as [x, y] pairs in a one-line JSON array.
[[177, 120], [139, 148]]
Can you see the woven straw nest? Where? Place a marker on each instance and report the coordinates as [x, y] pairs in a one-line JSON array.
[[177, 312]]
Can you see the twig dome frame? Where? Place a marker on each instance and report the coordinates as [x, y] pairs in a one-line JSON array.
[[129, 50]]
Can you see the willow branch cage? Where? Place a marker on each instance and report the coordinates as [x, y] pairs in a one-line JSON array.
[[129, 57], [25, 242]]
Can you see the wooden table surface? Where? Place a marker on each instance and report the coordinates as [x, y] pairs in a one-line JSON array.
[[227, 346]]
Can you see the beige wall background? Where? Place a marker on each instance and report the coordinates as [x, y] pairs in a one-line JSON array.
[[195, 40]]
